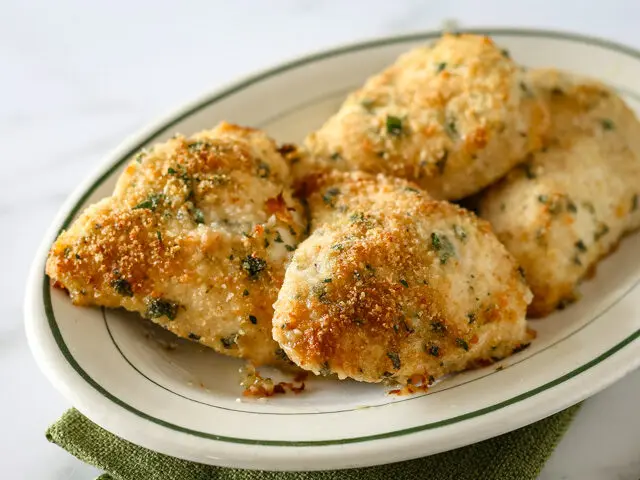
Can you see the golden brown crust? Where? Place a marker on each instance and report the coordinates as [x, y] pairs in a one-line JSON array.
[[391, 284], [196, 237], [453, 117]]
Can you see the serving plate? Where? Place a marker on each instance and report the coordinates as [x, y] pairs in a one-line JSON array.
[[178, 398]]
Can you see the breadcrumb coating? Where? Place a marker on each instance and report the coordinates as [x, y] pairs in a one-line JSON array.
[[452, 117], [394, 285], [570, 203], [195, 237]]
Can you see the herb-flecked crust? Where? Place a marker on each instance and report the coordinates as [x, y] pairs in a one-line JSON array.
[[570, 203], [394, 285], [452, 117], [194, 238]]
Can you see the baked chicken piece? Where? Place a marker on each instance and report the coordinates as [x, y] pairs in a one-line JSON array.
[[452, 117], [195, 237], [393, 285], [571, 202]]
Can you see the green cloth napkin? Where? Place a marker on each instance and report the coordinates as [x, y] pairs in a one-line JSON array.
[[518, 455]]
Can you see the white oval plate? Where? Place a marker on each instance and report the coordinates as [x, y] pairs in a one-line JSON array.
[[183, 402]]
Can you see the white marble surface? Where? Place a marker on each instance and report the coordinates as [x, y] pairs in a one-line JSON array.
[[77, 76]]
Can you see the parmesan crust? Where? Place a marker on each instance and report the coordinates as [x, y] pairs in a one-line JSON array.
[[452, 117], [195, 237], [571, 202], [394, 285]]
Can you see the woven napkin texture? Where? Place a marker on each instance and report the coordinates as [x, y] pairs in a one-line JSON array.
[[518, 455]]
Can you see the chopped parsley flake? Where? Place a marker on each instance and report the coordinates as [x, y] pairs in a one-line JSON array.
[[337, 247], [140, 156], [330, 195], [281, 355], [472, 317], [459, 232], [452, 130], [182, 174], [335, 156], [263, 170], [438, 327], [245, 293], [198, 216], [122, 287], [395, 360], [197, 146], [357, 217], [462, 344], [581, 246], [443, 246], [404, 283], [441, 66], [603, 229], [278, 238], [394, 125], [607, 124], [159, 307], [434, 350], [289, 248], [151, 203], [193, 336], [253, 319], [589, 207], [367, 104], [527, 168], [253, 265], [327, 280], [634, 203]]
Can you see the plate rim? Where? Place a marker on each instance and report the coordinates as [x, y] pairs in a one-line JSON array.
[[132, 144]]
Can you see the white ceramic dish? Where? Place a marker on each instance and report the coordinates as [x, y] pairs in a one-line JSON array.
[[183, 402]]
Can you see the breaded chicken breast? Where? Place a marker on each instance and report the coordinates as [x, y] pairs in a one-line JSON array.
[[393, 285], [570, 203], [452, 117], [195, 237]]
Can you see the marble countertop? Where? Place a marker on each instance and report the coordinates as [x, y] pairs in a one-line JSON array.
[[77, 77]]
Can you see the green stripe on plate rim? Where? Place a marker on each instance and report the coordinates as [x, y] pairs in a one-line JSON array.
[[46, 292]]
